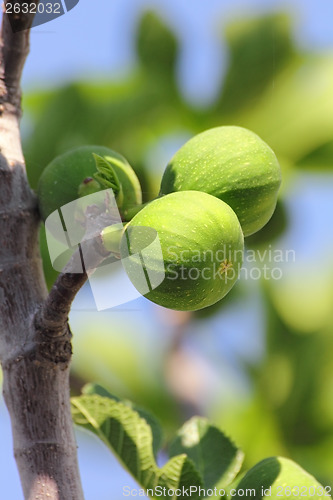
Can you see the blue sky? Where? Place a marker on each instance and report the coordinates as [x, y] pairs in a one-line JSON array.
[[91, 42], [96, 39]]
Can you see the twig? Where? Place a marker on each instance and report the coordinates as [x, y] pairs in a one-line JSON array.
[[52, 318]]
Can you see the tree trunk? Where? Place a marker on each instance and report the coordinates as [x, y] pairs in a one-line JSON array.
[[35, 358]]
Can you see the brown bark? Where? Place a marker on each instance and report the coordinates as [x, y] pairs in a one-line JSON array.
[[35, 358]]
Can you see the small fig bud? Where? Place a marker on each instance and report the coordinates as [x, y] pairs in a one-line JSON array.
[[83, 171], [234, 165], [88, 186], [202, 249]]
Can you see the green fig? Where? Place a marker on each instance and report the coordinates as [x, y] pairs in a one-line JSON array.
[[276, 478], [232, 164], [200, 249], [83, 171]]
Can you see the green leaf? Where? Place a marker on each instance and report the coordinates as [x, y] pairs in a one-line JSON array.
[[276, 477], [106, 175], [215, 456], [130, 438], [153, 423], [99, 390]]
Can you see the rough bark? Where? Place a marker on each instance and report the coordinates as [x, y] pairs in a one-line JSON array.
[[35, 358]]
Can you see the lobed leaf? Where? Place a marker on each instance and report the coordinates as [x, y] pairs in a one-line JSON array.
[[277, 477], [130, 438]]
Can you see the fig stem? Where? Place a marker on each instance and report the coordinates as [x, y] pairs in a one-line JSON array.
[[131, 212], [111, 237]]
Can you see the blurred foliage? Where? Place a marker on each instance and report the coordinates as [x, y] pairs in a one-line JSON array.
[[252, 67], [116, 361], [275, 228], [157, 49], [286, 97]]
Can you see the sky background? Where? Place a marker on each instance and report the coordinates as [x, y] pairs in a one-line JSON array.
[[89, 42], [96, 39]]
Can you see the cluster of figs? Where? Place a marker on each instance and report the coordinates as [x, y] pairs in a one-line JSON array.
[[220, 186]]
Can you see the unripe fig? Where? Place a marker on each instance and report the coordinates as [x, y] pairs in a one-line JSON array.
[[202, 249], [278, 477], [83, 171], [234, 165]]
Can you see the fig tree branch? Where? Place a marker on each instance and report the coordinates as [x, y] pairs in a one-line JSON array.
[[14, 48], [53, 315], [35, 367]]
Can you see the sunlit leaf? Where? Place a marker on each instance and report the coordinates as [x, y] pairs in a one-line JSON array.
[[90, 389], [215, 455], [130, 438]]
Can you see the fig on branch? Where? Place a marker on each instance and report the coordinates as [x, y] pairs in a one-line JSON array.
[[83, 171], [232, 164], [278, 477], [201, 249]]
